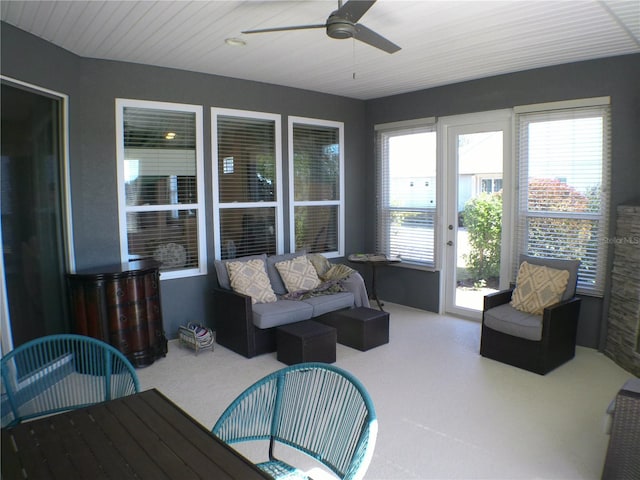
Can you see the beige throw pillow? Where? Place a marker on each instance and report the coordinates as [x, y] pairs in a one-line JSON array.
[[298, 274], [250, 278], [538, 287]]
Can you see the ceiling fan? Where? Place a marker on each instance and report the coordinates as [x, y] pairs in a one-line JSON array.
[[342, 23]]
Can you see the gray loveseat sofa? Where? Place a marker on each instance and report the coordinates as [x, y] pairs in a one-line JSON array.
[[250, 328]]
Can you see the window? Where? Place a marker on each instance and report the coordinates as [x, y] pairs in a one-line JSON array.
[[317, 186], [160, 181], [490, 185], [247, 186], [564, 163], [406, 191]]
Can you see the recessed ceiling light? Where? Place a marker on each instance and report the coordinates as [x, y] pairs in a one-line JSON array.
[[235, 42]]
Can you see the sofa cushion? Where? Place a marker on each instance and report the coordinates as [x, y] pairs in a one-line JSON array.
[[506, 319], [282, 312], [561, 264], [298, 274], [538, 287], [250, 278], [222, 272], [329, 303], [276, 281]]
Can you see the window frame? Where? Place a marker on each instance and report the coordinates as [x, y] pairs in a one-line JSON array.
[[217, 204], [340, 202], [557, 111], [199, 206], [382, 240]]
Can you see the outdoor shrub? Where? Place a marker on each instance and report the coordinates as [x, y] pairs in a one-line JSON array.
[[482, 216]]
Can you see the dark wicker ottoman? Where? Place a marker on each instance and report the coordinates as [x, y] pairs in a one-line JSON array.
[[360, 328], [307, 341]]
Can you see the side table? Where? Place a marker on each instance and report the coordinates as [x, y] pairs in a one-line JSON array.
[[361, 328], [306, 341], [375, 260]]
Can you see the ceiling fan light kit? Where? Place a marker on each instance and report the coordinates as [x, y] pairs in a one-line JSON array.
[[342, 24]]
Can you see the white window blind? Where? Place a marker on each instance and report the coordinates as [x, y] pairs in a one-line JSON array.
[[406, 193], [564, 175], [247, 198], [316, 186], [160, 180]]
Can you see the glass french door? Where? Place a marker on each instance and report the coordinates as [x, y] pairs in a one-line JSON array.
[[475, 260]]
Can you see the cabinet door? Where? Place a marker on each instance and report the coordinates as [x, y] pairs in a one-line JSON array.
[[127, 313], [154, 313], [88, 305]]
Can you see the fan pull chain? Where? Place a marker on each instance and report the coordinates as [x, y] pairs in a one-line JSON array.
[[353, 43]]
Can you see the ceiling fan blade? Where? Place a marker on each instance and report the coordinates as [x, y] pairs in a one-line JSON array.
[[370, 37], [283, 29], [353, 10]]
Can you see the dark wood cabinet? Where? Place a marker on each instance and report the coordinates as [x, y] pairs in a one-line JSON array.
[[120, 304]]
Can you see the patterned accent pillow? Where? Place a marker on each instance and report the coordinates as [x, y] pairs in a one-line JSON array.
[[538, 287], [320, 263], [298, 274], [250, 278]]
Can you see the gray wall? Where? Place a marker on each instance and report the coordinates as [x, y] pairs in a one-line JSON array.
[[617, 77], [93, 86]]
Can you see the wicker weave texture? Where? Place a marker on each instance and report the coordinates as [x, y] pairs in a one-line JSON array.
[[315, 408], [62, 372], [623, 455]]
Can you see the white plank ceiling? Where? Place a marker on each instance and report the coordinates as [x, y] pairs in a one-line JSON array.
[[442, 41]]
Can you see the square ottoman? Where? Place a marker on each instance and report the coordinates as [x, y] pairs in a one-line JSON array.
[[360, 328], [306, 341]]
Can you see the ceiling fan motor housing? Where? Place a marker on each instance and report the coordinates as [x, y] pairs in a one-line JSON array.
[[338, 27]]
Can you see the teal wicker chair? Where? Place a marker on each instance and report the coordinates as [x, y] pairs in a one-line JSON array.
[[62, 372], [315, 408]]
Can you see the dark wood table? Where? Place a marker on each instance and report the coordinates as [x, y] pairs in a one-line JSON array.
[[143, 436]]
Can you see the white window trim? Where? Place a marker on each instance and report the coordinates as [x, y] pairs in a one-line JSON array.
[[217, 205], [415, 124], [519, 246], [562, 105], [121, 103], [339, 203]]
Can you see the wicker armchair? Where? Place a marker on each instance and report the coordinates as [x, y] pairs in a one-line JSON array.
[[505, 330], [62, 372], [314, 408]]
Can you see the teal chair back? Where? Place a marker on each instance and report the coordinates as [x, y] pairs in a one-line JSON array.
[[62, 372], [315, 408]]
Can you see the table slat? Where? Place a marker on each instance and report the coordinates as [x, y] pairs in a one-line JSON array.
[[63, 449], [142, 436], [11, 465], [102, 451], [221, 454], [147, 457]]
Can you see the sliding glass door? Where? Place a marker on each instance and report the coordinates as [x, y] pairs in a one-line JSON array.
[[33, 214]]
